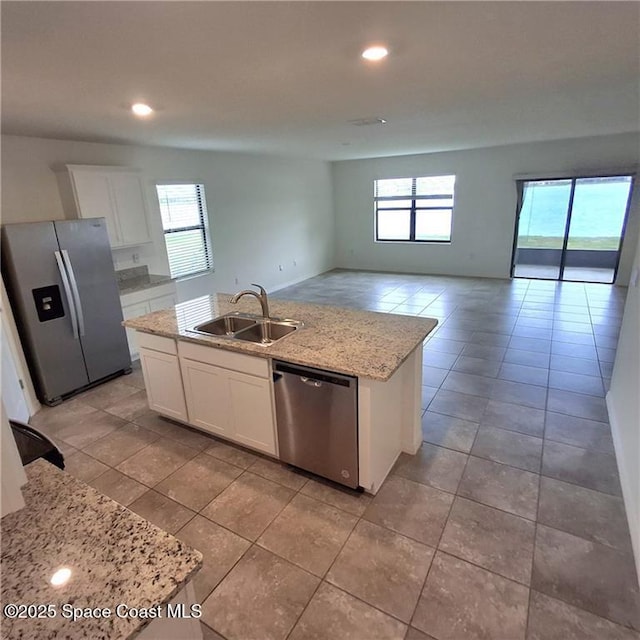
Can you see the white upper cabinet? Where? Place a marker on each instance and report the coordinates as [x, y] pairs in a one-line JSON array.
[[114, 193]]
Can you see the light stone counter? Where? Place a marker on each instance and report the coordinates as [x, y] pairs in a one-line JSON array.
[[115, 557], [359, 343]]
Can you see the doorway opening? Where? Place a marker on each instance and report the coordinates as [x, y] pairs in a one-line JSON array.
[[571, 228]]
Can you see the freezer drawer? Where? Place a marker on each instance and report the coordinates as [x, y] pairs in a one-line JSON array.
[[317, 421]]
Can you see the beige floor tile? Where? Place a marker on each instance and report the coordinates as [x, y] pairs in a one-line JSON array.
[[279, 472], [81, 431], [501, 486], [156, 461], [261, 598], [435, 466], [231, 454], [550, 619], [131, 406], [508, 447], [248, 505], [83, 467], [135, 378], [220, 549], [383, 568], [449, 432], [199, 481], [332, 614], [118, 487], [308, 533], [461, 601], [50, 419], [495, 540], [588, 575], [108, 394], [410, 508], [161, 511], [173, 430], [586, 513], [342, 498], [121, 444]]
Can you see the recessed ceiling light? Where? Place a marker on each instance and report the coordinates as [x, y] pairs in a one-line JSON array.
[[141, 109], [375, 53]]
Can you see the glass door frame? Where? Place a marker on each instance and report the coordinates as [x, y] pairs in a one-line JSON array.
[[520, 182]]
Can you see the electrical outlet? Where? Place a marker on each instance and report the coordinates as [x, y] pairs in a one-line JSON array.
[[280, 267], [237, 281], [295, 264], [136, 258]]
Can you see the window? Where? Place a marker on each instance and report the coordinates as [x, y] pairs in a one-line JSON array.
[[414, 209], [184, 220]]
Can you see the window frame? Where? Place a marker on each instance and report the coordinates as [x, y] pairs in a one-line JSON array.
[[203, 226], [413, 209]]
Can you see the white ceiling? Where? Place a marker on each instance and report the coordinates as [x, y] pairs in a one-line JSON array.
[[286, 77]]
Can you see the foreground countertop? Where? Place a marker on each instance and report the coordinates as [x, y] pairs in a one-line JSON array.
[[116, 557], [359, 343]]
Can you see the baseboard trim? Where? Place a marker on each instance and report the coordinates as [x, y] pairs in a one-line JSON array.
[[632, 510]]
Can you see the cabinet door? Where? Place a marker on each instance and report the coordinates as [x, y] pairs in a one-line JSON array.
[[93, 199], [130, 206], [163, 382], [133, 311], [207, 393], [252, 412], [163, 302]]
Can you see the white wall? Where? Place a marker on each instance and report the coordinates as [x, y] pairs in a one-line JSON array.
[[264, 211], [484, 214], [623, 402]]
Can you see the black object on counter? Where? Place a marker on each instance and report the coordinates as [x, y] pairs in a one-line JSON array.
[[33, 445]]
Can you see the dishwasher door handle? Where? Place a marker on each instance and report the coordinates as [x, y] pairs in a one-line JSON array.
[[311, 383]]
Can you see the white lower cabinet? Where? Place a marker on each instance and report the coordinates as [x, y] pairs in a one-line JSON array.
[[206, 392], [225, 393], [252, 412], [229, 395], [162, 376]]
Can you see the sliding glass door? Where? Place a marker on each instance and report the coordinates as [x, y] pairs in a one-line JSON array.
[[571, 229]]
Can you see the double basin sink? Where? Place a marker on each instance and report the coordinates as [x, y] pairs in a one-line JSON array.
[[248, 328]]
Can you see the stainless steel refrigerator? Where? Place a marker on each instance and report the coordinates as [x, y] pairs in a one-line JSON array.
[[62, 287]]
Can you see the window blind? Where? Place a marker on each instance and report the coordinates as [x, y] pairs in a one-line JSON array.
[[184, 220]]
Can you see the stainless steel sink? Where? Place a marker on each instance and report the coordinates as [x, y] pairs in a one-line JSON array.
[[267, 331], [248, 328], [225, 325]]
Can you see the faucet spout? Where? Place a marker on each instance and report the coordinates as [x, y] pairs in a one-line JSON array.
[[262, 298]]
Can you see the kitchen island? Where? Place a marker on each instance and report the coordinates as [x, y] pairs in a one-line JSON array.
[[122, 567], [224, 386]]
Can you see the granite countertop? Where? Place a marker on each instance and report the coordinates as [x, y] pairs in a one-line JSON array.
[[142, 282], [360, 343], [115, 557]]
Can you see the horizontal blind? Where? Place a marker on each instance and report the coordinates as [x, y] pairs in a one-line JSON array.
[[184, 214], [414, 209]]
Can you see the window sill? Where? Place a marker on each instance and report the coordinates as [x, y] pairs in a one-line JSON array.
[[414, 242]]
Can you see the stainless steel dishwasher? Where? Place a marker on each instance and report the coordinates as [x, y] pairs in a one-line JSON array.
[[317, 419]]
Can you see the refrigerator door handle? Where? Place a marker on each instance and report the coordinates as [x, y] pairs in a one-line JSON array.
[[67, 290], [74, 290]]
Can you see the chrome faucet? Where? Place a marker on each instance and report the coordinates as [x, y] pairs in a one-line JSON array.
[[262, 298]]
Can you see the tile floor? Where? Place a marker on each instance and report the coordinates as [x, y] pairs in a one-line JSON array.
[[507, 525]]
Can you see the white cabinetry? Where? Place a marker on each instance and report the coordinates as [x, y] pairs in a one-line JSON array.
[[114, 193], [162, 376], [139, 303], [229, 394]]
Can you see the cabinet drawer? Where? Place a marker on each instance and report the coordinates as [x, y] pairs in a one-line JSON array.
[[157, 343], [252, 365]]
